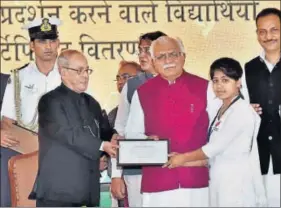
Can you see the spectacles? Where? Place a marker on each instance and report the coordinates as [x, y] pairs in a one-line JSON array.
[[171, 55], [124, 77], [81, 71], [144, 50]]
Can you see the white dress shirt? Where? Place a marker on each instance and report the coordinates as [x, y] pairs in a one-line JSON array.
[[269, 65], [34, 84], [135, 126]]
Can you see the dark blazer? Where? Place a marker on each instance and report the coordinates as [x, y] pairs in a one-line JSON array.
[[265, 88], [70, 136], [6, 154], [4, 81]]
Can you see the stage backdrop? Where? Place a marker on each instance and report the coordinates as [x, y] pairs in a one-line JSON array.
[[107, 32]]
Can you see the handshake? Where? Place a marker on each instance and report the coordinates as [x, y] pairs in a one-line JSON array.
[[111, 147]]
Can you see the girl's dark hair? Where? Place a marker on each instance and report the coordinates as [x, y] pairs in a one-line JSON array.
[[230, 67]]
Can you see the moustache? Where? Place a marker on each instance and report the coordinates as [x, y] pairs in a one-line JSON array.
[[271, 40], [168, 66]]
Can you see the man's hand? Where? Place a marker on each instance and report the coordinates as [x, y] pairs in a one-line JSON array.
[[103, 163], [153, 137], [110, 148], [257, 108], [115, 137], [118, 188], [7, 139], [176, 160]]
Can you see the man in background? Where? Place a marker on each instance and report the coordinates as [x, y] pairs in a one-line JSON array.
[[127, 70], [263, 75]]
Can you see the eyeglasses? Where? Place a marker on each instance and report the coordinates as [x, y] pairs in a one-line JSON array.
[[144, 50], [171, 55], [81, 71], [124, 77]]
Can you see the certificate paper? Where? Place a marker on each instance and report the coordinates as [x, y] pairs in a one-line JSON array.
[[28, 140], [145, 152]]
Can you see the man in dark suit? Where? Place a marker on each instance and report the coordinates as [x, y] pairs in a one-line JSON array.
[[4, 81], [72, 136], [6, 153]]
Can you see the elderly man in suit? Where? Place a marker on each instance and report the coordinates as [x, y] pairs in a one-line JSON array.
[[5, 196], [4, 81], [72, 135]]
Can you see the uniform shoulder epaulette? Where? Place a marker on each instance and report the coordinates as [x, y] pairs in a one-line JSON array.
[[9, 80], [22, 67]]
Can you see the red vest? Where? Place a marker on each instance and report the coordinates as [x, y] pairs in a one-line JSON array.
[[176, 112]]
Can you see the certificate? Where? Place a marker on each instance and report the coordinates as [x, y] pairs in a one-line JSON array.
[[138, 152], [28, 140]]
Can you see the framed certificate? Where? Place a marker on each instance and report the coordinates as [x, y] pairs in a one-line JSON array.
[[142, 152], [28, 140]]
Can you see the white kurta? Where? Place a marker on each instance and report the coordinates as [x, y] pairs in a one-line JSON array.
[[235, 176], [133, 182], [119, 125], [181, 197]]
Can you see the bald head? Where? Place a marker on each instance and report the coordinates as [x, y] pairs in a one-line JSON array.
[[168, 57], [74, 70], [127, 69], [66, 55]]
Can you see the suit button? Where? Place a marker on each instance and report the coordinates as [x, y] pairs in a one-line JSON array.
[[271, 84], [270, 137], [270, 102]]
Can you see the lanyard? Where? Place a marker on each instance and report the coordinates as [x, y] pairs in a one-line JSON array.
[[210, 131]]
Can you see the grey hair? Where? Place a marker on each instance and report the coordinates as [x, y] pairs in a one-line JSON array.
[[164, 40], [63, 61], [65, 55]]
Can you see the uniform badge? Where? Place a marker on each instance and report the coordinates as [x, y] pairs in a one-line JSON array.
[[31, 88], [45, 26]]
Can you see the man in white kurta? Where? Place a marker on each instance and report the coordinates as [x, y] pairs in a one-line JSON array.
[[173, 106], [132, 176]]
